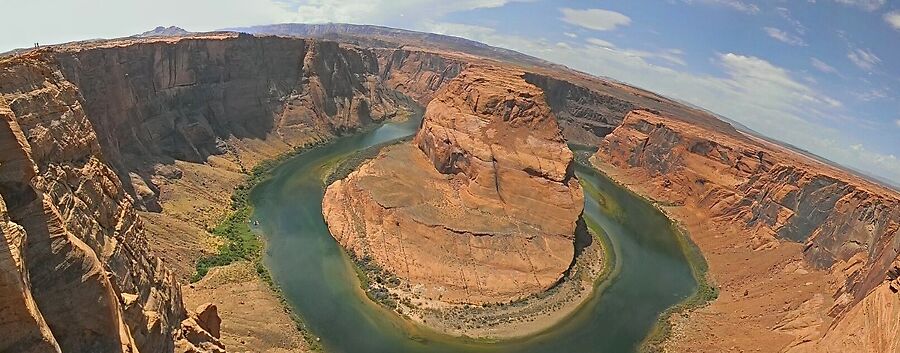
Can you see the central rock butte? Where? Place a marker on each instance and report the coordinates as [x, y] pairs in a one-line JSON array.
[[480, 208]]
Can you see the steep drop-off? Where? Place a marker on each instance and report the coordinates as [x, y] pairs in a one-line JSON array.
[[91, 130], [80, 258], [480, 208], [184, 100], [767, 195]]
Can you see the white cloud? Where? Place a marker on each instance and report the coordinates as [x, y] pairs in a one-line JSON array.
[[786, 15], [751, 90], [871, 95], [822, 66], [864, 58], [897, 122], [570, 34], [868, 5], [600, 43], [671, 56], [739, 5], [893, 19], [784, 37], [596, 19], [385, 11]]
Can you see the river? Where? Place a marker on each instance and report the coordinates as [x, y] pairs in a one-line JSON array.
[[318, 280]]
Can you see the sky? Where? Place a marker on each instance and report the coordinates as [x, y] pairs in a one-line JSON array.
[[823, 75]]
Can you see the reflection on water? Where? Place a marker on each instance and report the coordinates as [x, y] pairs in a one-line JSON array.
[[320, 283]]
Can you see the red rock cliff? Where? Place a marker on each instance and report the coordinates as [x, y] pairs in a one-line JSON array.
[[480, 208], [86, 276], [82, 122], [770, 192]]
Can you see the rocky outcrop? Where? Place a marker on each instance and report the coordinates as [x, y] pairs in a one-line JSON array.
[[21, 322], [190, 98], [848, 225], [480, 208], [89, 128], [417, 74], [200, 332], [77, 243], [585, 115]]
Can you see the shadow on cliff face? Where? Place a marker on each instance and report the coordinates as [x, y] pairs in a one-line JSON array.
[[154, 103], [583, 237], [584, 115]]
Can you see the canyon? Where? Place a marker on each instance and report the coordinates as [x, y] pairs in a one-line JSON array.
[[828, 237], [119, 155], [452, 213]]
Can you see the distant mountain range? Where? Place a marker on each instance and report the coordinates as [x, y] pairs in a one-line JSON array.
[[386, 37], [164, 32], [379, 36]]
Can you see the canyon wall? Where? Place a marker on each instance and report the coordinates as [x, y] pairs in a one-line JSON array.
[[417, 74], [186, 100], [847, 224], [86, 128], [480, 208], [584, 115], [84, 273]]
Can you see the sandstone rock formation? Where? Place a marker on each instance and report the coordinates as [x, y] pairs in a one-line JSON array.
[[185, 100], [88, 131], [200, 332], [848, 225], [480, 208], [415, 73], [21, 322], [80, 276]]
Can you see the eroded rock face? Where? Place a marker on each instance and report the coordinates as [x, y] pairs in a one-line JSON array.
[[23, 326], [87, 130], [200, 332], [415, 73], [160, 100], [584, 115], [480, 208], [847, 223], [86, 278]]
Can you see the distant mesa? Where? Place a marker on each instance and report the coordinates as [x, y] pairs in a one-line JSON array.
[[164, 32]]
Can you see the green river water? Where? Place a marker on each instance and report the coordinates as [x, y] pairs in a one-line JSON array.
[[652, 272]]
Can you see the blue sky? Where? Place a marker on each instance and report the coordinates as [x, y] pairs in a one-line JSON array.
[[820, 74]]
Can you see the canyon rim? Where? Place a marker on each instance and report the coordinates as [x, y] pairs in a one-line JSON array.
[[126, 162]]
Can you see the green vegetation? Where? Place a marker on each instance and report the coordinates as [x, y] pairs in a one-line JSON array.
[[240, 241], [609, 261], [242, 244], [342, 167], [375, 281]]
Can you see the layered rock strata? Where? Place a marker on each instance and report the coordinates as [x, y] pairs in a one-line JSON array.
[[90, 133], [848, 225], [84, 273], [480, 208]]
